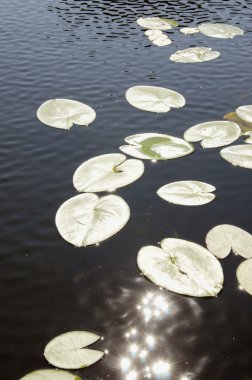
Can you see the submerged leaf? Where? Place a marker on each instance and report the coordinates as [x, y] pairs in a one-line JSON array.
[[188, 193], [194, 55], [220, 30], [223, 238], [244, 275], [182, 267], [107, 172], [157, 37], [244, 125], [63, 113], [238, 155], [156, 146], [154, 99], [50, 374], [245, 113], [213, 133], [156, 23], [189, 30], [87, 219], [67, 350]]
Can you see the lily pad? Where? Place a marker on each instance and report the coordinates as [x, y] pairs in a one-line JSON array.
[[182, 267], [156, 23], [156, 146], [238, 155], [154, 99], [244, 275], [213, 133], [244, 125], [87, 219], [245, 113], [189, 30], [220, 30], [249, 139], [158, 38], [50, 374], [194, 55], [188, 193], [67, 350], [63, 113], [107, 172], [223, 238]]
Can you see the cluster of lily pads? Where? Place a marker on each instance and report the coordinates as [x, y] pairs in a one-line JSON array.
[[155, 32]]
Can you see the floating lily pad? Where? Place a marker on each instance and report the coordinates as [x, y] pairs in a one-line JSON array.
[[156, 23], [182, 267], [244, 125], [220, 30], [67, 350], [249, 139], [50, 374], [154, 99], [87, 219], [238, 155], [223, 238], [156, 146], [244, 275], [63, 113], [245, 113], [157, 37], [194, 55], [189, 30], [188, 193], [213, 133], [107, 172]]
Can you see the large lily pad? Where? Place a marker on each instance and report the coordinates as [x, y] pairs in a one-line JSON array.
[[244, 125], [182, 267], [223, 238], [220, 30], [213, 133], [244, 275], [154, 99], [245, 113], [194, 55], [107, 172], [67, 350], [157, 23], [238, 155], [50, 374], [156, 146], [188, 193], [87, 219]]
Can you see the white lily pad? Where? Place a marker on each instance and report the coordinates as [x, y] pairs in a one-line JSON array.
[[223, 238], [107, 172], [87, 219], [182, 267], [194, 55], [188, 193], [158, 38], [238, 155], [157, 23], [220, 30], [68, 350], [154, 99], [213, 133], [63, 113], [50, 374], [189, 30], [156, 146], [244, 275], [248, 140], [245, 113]]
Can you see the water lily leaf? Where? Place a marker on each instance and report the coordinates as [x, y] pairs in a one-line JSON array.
[[249, 139], [245, 113], [238, 155], [67, 350], [182, 267], [223, 238], [194, 55], [157, 37], [220, 30], [63, 113], [213, 133], [154, 99], [156, 23], [156, 146], [87, 219], [244, 125], [188, 193], [244, 275], [107, 172], [50, 374], [189, 30]]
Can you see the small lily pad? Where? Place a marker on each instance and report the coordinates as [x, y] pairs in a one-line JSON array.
[[248, 140], [194, 55], [158, 38], [245, 113], [154, 99], [189, 30], [68, 350], [156, 23], [50, 374], [188, 193], [220, 30], [244, 275], [238, 155]]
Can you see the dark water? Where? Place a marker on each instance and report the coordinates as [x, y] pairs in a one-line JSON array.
[[92, 51]]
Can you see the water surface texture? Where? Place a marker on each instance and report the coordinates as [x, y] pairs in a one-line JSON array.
[[92, 51]]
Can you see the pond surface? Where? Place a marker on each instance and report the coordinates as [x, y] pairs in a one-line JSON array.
[[93, 51]]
